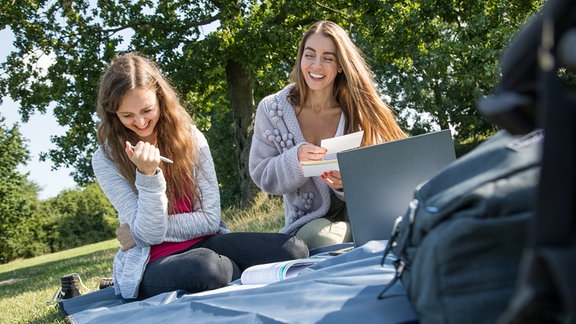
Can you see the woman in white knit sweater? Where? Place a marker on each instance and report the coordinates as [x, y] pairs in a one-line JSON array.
[[171, 236], [332, 93]]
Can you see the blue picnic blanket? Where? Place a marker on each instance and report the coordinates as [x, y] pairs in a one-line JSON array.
[[340, 289]]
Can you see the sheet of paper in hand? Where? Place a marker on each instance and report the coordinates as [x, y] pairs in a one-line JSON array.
[[333, 145]]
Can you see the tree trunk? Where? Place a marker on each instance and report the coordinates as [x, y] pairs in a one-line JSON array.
[[241, 94]]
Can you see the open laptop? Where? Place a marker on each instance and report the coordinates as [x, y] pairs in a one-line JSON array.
[[379, 181]]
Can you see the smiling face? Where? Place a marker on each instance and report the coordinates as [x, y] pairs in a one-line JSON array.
[[139, 111], [319, 63]]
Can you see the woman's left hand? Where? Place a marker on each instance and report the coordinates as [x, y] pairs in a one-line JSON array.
[[332, 179], [125, 237]]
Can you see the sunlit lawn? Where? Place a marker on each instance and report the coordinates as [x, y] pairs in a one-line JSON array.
[[26, 286]]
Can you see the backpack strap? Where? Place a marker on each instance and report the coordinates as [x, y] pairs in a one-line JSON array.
[[397, 242], [546, 291]]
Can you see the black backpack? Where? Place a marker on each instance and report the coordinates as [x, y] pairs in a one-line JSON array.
[[460, 243], [545, 48], [527, 271]]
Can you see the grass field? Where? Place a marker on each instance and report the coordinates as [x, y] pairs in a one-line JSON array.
[[26, 286]]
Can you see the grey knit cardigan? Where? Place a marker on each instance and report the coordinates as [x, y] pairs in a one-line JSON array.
[[146, 211], [274, 165]]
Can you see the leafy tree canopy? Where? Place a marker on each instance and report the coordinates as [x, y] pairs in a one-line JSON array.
[[433, 59], [17, 195]]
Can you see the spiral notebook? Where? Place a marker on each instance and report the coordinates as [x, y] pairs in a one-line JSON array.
[[379, 180]]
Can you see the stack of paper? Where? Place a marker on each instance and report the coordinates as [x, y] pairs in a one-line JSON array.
[[333, 145]]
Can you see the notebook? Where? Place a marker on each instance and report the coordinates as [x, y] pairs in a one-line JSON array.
[[379, 181]]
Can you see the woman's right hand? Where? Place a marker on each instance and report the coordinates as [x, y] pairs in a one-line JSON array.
[[311, 152], [145, 156]]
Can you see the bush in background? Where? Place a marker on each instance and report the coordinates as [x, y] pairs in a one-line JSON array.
[[80, 217], [73, 218]]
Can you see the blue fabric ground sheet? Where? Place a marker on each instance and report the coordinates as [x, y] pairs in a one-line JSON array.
[[340, 289]]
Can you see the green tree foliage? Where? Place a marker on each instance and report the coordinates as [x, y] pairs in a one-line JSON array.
[[436, 59], [30, 227], [18, 203], [433, 58], [79, 217]]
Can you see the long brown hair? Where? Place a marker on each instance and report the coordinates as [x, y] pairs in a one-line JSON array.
[[173, 130], [354, 88]]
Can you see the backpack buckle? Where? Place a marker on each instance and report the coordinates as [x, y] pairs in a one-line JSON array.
[[399, 271], [392, 241]]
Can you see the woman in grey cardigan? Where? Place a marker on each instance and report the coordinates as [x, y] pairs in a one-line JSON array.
[[171, 236], [332, 93]]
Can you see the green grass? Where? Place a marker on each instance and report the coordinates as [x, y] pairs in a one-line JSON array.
[[27, 285]]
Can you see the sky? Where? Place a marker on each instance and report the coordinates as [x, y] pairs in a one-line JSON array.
[[37, 132]]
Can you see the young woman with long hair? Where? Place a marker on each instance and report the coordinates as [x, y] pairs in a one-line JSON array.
[[332, 93], [171, 236]]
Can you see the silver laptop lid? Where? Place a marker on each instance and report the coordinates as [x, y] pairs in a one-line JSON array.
[[379, 181]]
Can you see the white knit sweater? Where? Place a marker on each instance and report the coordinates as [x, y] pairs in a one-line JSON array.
[[274, 165], [146, 211]]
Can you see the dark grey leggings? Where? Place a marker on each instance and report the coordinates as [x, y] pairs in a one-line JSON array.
[[216, 261]]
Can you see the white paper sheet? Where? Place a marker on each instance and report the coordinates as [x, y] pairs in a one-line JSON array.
[[330, 162]]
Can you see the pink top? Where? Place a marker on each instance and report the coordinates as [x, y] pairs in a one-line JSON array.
[[166, 248]]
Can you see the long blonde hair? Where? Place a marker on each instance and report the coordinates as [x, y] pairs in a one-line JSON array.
[[173, 130], [354, 88]]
